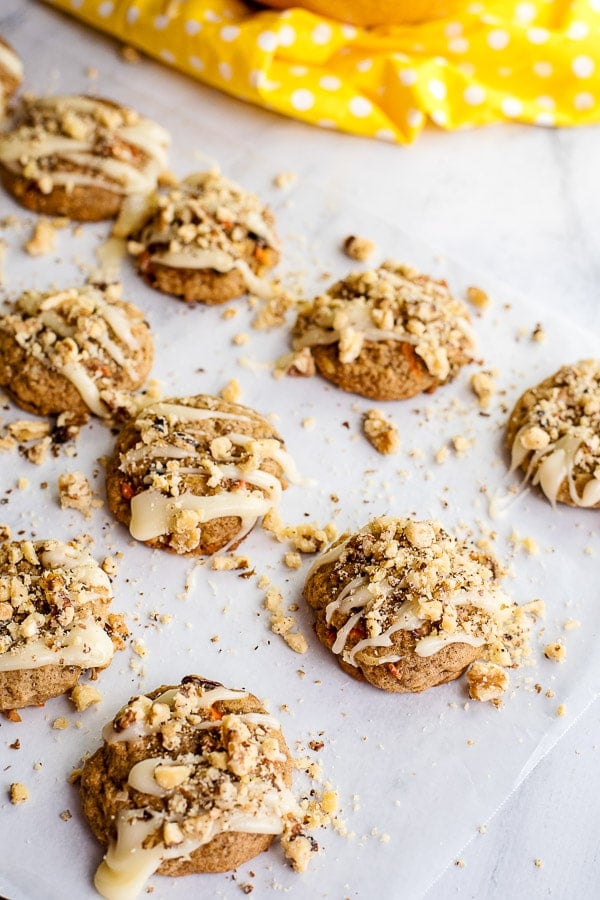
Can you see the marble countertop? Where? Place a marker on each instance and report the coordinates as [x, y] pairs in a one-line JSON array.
[[519, 204]]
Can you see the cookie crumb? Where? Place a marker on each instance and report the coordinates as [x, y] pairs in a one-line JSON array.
[[358, 248], [538, 863], [18, 793], [292, 560], [483, 386], [61, 723], [561, 710], [538, 334], [299, 364], [75, 492], [478, 297], [84, 696], [65, 815], [555, 651], [232, 391], [380, 432], [42, 240], [285, 180], [570, 624], [227, 563], [130, 55], [487, 681], [460, 863]]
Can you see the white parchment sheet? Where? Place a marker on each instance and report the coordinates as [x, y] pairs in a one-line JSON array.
[[416, 775]]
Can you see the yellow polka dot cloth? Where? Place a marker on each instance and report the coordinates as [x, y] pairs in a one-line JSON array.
[[535, 61]]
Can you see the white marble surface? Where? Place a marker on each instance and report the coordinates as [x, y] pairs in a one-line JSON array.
[[521, 205]]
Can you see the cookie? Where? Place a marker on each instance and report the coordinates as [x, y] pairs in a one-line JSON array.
[[78, 350], [79, 156], [191, 778], [193, 475], [406, 606], [553, 435], [207, 240], [387, 334], [11, 73], [54, 620]]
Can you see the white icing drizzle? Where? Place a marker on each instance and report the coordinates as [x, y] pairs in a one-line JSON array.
[[552, 465], [86, 645], [433, 643], [10, 62], [182, 413]]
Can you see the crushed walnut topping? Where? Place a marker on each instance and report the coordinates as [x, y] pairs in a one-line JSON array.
[[391, 303], [18, 793], [284, 624], [483, 386], [400, 574], [42, 240], [307, 537], [487, 681], [358, 248], [219, 757], [298, 364], [75, 492], [556, 651], [49, 592], [55, 135], [380, 432], [555, 434]]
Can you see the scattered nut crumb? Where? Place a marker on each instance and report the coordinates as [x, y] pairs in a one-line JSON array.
[[478, 297], [66, 814], [380, 432], [538, 863], [561, 710], [358, 248], [241, 338], [299, 364], [232, 391], [84, 696], [226, 563], [61, 723], [42, 240], [538, 334], [487, 681], [130, 55], [285, 179], [570, 624], [292, 560], [18, 793], [75, 492], [483, 386], [555, 651]]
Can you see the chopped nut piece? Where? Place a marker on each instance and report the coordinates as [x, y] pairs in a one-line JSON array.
[[74, 491], [478, 297], [380, 432], [538, 334], [61, 723], [18, 793], [285, 179], [296, 642], [299, 364], [28, 429], [482, 384], [226, 563], [292, 560], [486, 681], [84, 696], [232, 391], [358, 248], [555, 651], [42, 240]]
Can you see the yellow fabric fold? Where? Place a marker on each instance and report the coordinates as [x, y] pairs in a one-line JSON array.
[[536, 61]]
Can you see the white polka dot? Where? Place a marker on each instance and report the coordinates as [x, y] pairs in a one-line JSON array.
[[437, 88], [414, 118], [105, 9], [364, 65], [196, 63], [546, 119], [360, 107], [211, 16], [322, 34], [584, 100], [407, 77], [525, 12], [512, 107], [167, 56], [192, 27], [286, 35], [458, 45], [467, 69], [349, 32], [229, 33], [543, 69], [577, 31], [256, 77], [132, 15], [225, 71], [537, 35], [161, 22], [474, 95], [546, 102], [298, 71], [498, 39], [267, 41], [440, 60], [302, 100], [583, 66], [330, 83], [384, 134], [453, 29], [439, 117]]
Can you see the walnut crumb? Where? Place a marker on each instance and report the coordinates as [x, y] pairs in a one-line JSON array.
[[285, 179], [227, 563], [483, 386], [478, 297], [66, 814], [358, 248], [84, 696], [75, 492], [487, 681], [555, 651], [299, 364], [42, 240], [570, 624], [18, 793], [61, 723], [380, 432], [561, 710], [538, 334], [292, 560], [232, 391], [538, 863]]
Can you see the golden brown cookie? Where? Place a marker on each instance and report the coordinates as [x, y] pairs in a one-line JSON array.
[[193, 475], [190, 778], [206, 240], [54, 620], [79, 156], [387, 333], [554, 435], [406, 606], [11, 73], [77, 350]]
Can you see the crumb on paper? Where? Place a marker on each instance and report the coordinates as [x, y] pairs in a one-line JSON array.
[[273, 311], [28, 429], [538, 334], [292, 560], [282, 624], [571, 624], [84, 696], [42, 240], [60, 724], [307, 537], [538, 863], [230, 312], [308, 423], [227, 563], [483, 386], [75, 492], [461, 444], [65, 815], [232, 391], [528, 544], [130, 55], [478, 297], [555, 651], [380, 432], [23, 484], [18, 793], [139, 648], [285, 180], [358, 248], [240, 339], [109, 566], [561, 710], [299, 364], [487, 681], [460, 863]]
